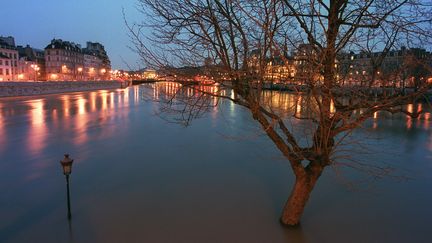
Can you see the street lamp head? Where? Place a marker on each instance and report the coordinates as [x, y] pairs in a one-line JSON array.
[[66, 164]]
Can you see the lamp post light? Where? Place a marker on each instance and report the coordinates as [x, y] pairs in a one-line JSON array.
[[37, 72], [80, 69], [35, 68], [67, 170], [103, 72]]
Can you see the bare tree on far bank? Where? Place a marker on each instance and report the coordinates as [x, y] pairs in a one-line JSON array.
[[239, 38]]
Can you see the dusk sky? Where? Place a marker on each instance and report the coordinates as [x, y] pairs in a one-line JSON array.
[[37, 22]]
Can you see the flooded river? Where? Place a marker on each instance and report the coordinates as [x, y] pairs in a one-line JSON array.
[[138, 178]]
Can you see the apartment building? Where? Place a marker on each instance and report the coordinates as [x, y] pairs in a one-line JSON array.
[[64, 60], [8, 49], [5, 68], [31, 63], [403, 67]]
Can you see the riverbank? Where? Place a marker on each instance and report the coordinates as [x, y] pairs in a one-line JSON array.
[[13, 89]]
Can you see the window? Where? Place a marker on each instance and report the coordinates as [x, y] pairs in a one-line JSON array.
[[1, 62], [57, 52], [7, 63], [7, 71], [1, 71], [15, 56]]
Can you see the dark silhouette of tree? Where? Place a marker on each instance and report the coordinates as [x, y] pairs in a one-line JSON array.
[[232, 34]]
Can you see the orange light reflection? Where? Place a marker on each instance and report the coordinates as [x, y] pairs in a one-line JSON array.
[[80, 122], [38, 131]]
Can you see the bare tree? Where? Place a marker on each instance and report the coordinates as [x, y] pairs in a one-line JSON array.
[[236, 33]]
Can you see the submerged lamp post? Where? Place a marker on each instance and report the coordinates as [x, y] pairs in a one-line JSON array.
[[67, 170]]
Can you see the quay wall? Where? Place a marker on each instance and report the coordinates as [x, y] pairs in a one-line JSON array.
[[16, 88]]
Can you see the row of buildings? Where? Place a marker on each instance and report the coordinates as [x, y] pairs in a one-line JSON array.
[[59, 60], [406, 67], [403, 67]]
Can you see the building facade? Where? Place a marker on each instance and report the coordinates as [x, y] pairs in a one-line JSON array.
[[397, 68], [8, 49], [32, 63], [5, 68], [307, 65], [98, 61], [93, 67], [64, 60], [279, 68], [28, 70]]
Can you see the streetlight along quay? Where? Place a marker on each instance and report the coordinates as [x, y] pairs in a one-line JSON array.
[[67, 170]]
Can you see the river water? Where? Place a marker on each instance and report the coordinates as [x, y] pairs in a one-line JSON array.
[[139, 178]]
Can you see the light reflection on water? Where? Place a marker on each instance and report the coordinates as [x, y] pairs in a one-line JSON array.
[[136, 175], [38, 131]]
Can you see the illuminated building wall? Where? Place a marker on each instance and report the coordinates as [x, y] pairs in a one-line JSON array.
[[93, 67], [63, 59], [10, 64], [394, 68], [5, 68], [33, 58], [28, 70], [68, 61]]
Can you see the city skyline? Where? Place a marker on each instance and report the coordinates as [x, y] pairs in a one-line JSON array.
[[37, 23]]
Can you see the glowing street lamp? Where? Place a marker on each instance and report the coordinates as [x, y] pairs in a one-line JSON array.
[[64, 70], [36, 69], [91, 72], [80, 69], [103, 71], [66, 164]]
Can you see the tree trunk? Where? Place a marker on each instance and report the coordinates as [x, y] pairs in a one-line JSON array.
[[296, 203]]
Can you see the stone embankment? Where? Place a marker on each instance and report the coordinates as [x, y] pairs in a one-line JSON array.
[[11, 89]]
